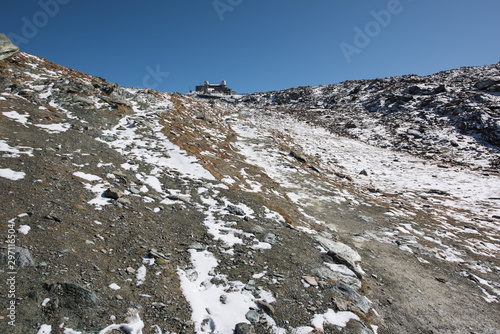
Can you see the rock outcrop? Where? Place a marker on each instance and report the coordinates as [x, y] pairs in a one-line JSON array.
[[7, 49], [429, 116]]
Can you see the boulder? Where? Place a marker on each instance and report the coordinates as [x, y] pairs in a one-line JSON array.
[[244, 328], [341, 253], [327, 274], [484, 84], [113, 193], [7, 49], [234, 210], [23, 257], [345, 291]]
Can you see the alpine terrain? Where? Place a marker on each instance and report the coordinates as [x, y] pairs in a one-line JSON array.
[[361, 207]]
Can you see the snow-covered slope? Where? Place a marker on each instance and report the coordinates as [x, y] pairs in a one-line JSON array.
[[449, 116]]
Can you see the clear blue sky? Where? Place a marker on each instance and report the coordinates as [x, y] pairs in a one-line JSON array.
[[256, 45]]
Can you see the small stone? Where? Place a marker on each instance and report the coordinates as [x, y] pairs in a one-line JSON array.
[[124, 201], [310, 280], [299, 156], [244, 328], [23, 257], [317, 331], [257, 229], [270, 238], [119, 297], [113, 193], [414, 133], [158, 305], [366, 219], [196, 246], [223, 299], [52, 217], [250, 286], [235, 210], [130, 270], [134, 191], [89, 242], [266, 307], [252, 316], [441, 279]]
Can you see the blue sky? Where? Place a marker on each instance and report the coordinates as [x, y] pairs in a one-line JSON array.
[[256, 45]]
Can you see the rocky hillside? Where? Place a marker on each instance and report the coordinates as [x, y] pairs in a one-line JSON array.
[[138, 211], [451, 116]]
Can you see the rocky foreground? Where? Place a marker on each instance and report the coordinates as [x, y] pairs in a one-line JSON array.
[[138, 211]]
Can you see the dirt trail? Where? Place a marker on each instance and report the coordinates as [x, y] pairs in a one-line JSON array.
[[411, 294]]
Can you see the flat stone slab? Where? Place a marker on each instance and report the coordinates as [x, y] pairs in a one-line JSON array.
[[341, 253]]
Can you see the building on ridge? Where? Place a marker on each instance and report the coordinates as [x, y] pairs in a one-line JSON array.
[[214, 89]]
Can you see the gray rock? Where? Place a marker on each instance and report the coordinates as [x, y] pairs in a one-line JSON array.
[[196, 246], [327, 274], [366, 219], [134, 191], [74, 296], [115, 101], [250, 286], [341, 253], [244, 328], [113, 193], [7, 49], [108, 138], [299, 156], [124, 201], [266, 307], [82, 100], [347, 292], [154, 253], [180, 197], [414, 133], [23, 257], [252, 316], [494, 88], [484, 84], [146, 124], [257, 229], [352, 327], [235, 210], [270, 238]]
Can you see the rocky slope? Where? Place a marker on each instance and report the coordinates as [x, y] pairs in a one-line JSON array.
[[138, 211], [451, 116]]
